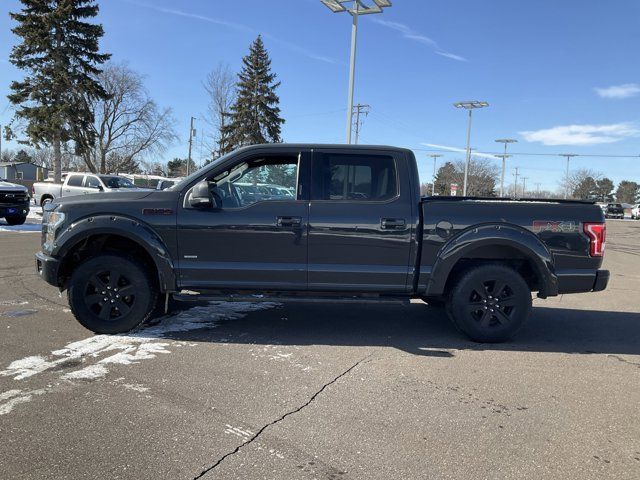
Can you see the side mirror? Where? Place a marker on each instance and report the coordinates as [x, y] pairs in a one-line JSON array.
[[100, 188], [201, 196]]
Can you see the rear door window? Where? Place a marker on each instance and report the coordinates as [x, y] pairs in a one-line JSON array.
[[363, 178], [75, 181]]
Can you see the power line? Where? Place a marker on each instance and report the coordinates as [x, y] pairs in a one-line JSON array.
[[594, 155]]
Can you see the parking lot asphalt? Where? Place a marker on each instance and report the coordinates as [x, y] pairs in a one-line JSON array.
[[317, 391]]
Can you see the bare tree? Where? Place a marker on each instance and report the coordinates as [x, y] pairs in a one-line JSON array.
[[220, 85], [578, 182], [129, 126]]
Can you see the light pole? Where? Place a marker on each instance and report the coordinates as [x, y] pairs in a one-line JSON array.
[[568, 156], [435, 156], [470, 105], [504, 156], [357, 8]]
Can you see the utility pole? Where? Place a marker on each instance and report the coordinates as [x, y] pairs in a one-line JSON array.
[[569, 156], [515, 188], [504, 156], [435, 156], [524, 186], [360, 109], [538, 189], [191, 135], [0, 142]]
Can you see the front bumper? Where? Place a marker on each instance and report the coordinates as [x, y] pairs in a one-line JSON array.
[[578, 281], [47, 267], [14, 210]]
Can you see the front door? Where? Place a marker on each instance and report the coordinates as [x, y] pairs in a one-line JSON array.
[[359, 222], [257, 238]]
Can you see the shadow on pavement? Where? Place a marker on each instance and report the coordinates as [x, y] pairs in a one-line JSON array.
[[423, 330]]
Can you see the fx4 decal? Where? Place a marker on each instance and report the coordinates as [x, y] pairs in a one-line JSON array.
[[554, 226]]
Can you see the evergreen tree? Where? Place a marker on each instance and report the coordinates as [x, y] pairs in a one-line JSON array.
[[255, 114], [59, 52]]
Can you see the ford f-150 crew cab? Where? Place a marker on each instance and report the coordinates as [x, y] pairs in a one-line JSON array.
[[355, 227], [14, 202], [80, 184]]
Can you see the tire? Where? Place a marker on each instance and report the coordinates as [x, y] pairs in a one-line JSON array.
[[45, 200], [490, 303], [127, 286], [15, 220]]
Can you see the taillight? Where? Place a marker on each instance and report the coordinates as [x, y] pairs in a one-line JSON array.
[[597, 233]]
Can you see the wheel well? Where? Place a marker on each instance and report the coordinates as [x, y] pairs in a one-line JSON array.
[[104, 243], [44, 197], [496, 255]]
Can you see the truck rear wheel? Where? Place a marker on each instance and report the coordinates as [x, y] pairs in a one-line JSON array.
[[490, 303], [111, 294]]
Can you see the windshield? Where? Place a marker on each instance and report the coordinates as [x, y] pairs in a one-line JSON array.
[[117, 182]]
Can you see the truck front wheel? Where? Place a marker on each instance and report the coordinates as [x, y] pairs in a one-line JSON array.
[[490, 303], [111, 294], [16, 220]]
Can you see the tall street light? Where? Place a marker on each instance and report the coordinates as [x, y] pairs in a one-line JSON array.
[[504, 156], [470, 105], [568, 156], [435, 156], [355, 8]]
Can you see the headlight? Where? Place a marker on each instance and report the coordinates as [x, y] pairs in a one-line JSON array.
[[51, 222]]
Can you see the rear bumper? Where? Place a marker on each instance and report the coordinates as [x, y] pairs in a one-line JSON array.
[[577, 281], [47, 267]]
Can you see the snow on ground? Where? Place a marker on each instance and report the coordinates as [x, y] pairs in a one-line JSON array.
[[24, 228], [35, 213], [96, 355]]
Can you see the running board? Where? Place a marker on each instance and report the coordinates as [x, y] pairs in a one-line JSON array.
[[288, 298]]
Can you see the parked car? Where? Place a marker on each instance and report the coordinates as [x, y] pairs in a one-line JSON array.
[[635, 212], [164, 184], [614, 210], [80, 184], [356, 230], [14, 202]]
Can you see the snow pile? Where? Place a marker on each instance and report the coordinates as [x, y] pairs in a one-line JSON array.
[[96, 354]]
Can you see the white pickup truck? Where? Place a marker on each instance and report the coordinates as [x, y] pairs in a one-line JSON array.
[[80, 184]]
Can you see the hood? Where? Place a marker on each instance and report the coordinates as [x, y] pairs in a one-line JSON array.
[[107, 198], [12, 187]]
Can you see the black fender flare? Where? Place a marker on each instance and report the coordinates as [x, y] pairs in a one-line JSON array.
[[476, 237], [130, 228]]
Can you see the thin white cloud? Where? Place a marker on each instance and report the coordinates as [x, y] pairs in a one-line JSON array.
[[458, 150], [619, 91], [582, 134], [410, 34], [235, 26]]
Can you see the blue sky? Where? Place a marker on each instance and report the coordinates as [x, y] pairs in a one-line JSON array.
[[560, 76]]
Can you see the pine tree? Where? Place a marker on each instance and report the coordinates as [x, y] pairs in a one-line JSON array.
[[255, 114], [59, 52]]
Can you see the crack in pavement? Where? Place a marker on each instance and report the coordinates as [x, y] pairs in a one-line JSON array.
[[624, 360], [291, 412]]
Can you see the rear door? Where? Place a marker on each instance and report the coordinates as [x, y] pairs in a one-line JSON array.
[[74, 185], [359, 221]]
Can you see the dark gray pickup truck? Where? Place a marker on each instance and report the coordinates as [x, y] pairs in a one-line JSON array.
[[353, 226]]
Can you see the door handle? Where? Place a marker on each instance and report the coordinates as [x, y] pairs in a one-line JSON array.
[[392, 223], [288, 221]]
